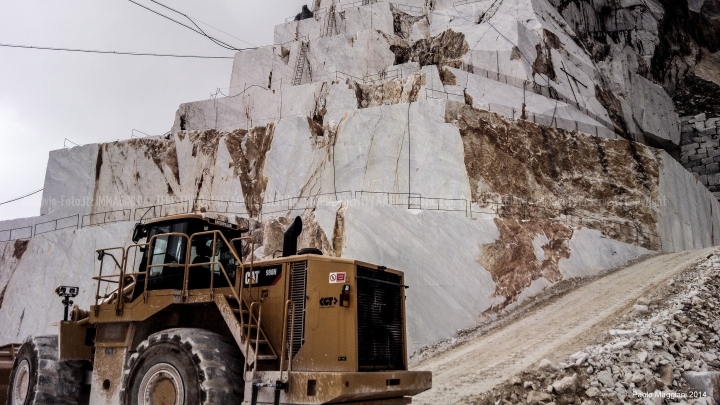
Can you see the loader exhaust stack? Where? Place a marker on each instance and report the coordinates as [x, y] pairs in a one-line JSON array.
[[291, 237]]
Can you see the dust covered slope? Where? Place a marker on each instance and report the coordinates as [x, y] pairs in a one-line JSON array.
[[557, 328]]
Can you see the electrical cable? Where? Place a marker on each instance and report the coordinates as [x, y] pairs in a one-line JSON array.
[[178, 22], [114, 52], [216, 41], [219, 91], [197, 29], [20, 198], [226, 33]]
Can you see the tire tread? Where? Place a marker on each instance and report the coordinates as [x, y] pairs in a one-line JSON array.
[[217, 363]]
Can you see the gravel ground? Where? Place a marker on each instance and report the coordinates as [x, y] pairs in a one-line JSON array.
[[626, 337]]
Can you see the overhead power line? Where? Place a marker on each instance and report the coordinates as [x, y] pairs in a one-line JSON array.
[[47, 48], [193, 19], [196, 28], [20, 198], [226, 33]]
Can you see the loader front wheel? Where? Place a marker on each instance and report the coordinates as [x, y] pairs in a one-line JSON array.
[[183, 367], [39, 378]]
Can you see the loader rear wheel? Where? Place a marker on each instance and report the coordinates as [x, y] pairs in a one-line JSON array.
[[39, 378], [184, 367]]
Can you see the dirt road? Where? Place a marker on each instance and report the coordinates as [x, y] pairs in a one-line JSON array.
[[556, 329]]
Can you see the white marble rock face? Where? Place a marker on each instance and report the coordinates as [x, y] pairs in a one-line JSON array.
[[350, 106]]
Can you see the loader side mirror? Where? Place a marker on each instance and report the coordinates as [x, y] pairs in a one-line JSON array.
[[139, 232]]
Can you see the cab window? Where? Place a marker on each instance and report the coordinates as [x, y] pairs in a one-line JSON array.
[[201, 251], [167, 249]]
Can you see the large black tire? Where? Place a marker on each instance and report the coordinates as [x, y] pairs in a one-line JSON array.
[[201, 367], [38, 378]]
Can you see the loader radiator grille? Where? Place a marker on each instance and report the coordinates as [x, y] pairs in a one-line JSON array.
[[298, 290], [380, 320]]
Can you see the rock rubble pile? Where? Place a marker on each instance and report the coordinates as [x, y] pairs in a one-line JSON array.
[[664, 351]]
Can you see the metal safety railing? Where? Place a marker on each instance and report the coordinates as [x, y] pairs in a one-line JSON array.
[[548, 91], [286, 206], [78, 221], [162, 210], [9, 235], [102, 218], [304, 202], [408, 9], [56, 225], [411, 200], [358, 3], [121, 265], [540, 119]]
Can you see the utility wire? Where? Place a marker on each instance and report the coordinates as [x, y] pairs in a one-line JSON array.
[[192, 20], [113, 52], [226, 33], [20, 198], [197, 29]]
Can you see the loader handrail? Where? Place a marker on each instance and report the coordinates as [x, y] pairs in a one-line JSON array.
[[257, 339], [289, 306], [110, 278], [119, 278], [241, 274], [101, 256], [213, 264]]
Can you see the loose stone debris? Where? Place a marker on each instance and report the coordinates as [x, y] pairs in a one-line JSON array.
[[664, 351]]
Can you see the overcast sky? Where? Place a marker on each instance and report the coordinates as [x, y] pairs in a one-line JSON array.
[[47, 96]]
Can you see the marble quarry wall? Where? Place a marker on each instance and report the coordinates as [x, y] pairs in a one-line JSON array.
[[701, 150], [489, 149], [466, 249]]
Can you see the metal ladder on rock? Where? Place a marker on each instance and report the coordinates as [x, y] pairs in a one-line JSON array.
[[330, 28], [300, 66]]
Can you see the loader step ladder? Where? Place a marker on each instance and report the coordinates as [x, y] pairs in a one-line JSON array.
[[245, 325], [300, 66]]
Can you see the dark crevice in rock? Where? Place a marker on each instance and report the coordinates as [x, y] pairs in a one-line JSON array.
[[448, 78], [543, 63], [321, 106], [468, 99], [2, 294], [316, 128], [403, 22], [613, 105], [19, 248], [602, 155], [98, 163], [402, 53], [199, 186]]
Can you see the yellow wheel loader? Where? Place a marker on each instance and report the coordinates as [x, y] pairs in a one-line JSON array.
[[180, 319]]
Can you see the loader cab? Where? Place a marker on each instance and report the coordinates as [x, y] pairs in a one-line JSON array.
[[166, 256]]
